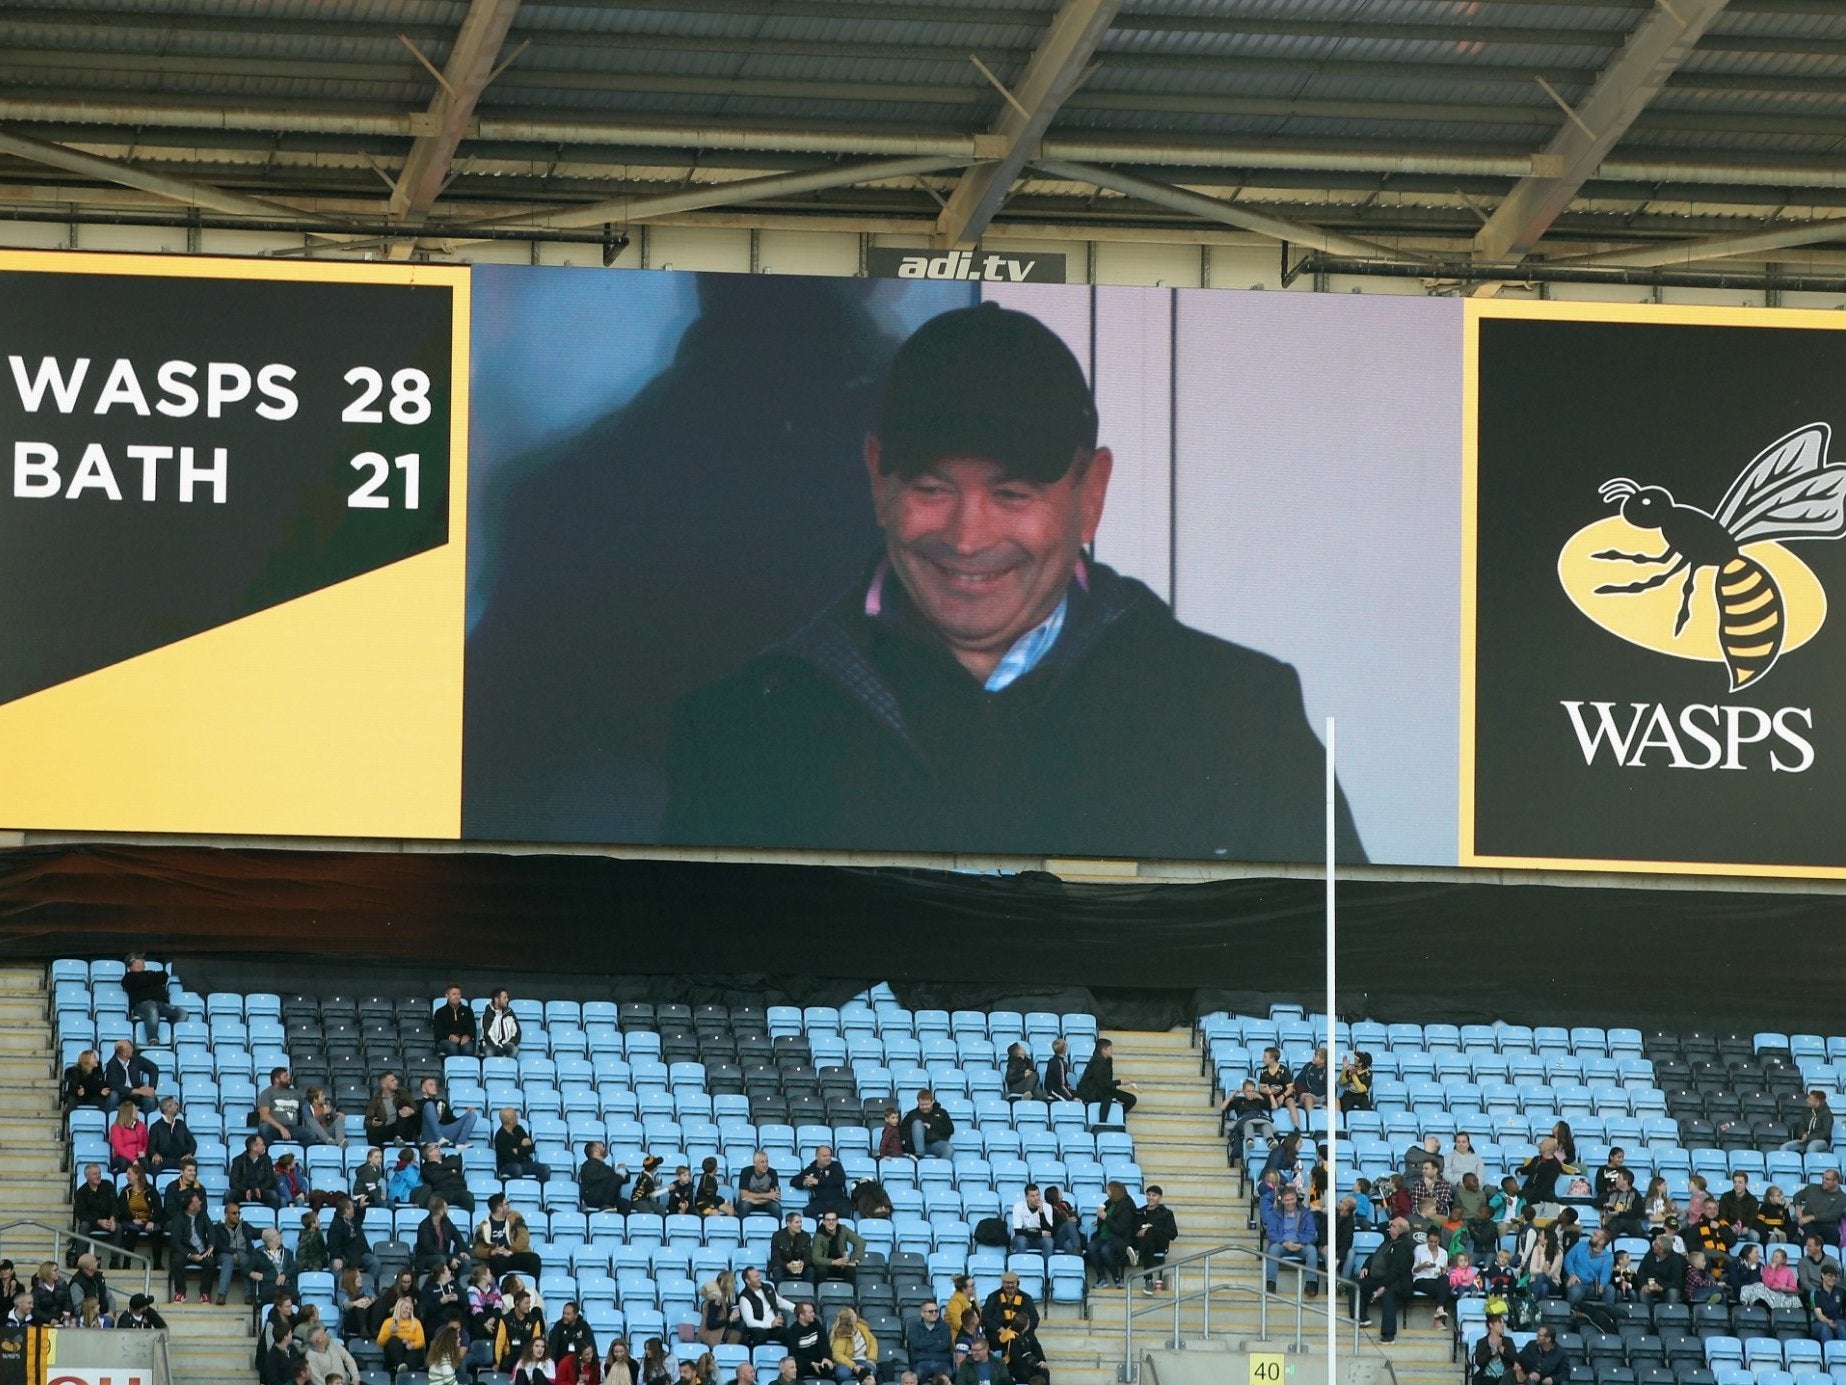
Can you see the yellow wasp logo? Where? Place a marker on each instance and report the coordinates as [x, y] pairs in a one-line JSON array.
[[1762, 601]]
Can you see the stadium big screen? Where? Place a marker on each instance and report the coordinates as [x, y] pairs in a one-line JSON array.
[[658, 558]]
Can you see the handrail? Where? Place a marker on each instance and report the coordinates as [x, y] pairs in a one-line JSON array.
[[1175, 1271], [166, 1357], [102, 1248]]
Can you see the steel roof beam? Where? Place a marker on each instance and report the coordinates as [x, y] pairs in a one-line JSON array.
[[464, 77], [1211, 209], [1664, 38], [1677, 252], [193, 194], [1055, 71]]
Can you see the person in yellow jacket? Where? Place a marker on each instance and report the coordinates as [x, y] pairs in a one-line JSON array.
[[959, 1303], [853, 1348], [401, 1337]]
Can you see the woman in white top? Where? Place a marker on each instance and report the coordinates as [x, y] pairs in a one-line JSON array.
[[535, 1366], [1429, 1273]]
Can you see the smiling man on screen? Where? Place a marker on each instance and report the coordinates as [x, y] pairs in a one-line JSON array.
[[987, 685]]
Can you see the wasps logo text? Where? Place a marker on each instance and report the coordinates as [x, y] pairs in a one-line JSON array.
[[1762, 601]]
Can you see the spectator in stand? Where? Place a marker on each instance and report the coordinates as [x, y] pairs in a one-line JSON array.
[[440, 1124], [791, 1252], [534, 1366], [514, 1153], [1774, 1218], [1623, 1212], [1245, 1109], [646, 1196], [401, 1338], [327, 1357], [682, 1194], [759, 1189], [1566, 1142], [278, 1109], [1606, 1175], [805, 1340], [1356, 1082], [1273, 1079], [1009, 1319], [278, 1356], [439, 1242], [761, 1311], [1386, 1279], [1155, 1232], [1543, 1362], [1587, 1267], [928, 1128], [1066, 1226], [891, 1135], [1022, 1081], [51, 1305], [1461, 1160], [1544, 1261], [1813, 1133], [139, 1215], [1541, 1173], [599, 1187], [271, 1267], [439, 1299], [1098, 1083], [85, 1084], [853, 1348], [347, 1243], [711, 1198], [1828, 1306], [825, 1181], [927, 1341], [142, 1317], [253, 1174], [1711, 1235], [382, 1114], [291, 1187], [1431, 1187], [1657, 1205], [1495, 1360], [1058, 1086], [837, 1250], [1291, 1232], [94, 1208], [524, 1324], [499, 1027], [371, 1181], [982, 1367], [1704, 1284], [1115, 1229], [1776, 1285], [454, 1023], [131, 1076], [961, 1299], [1813, 1259], [168, 1139], [1662, 1276], [320, 1123], [1309, 1089], [191, 1246], [148, 1004], [1737, 1208], [88, 1282], [1032, 1223], [1819, 1207], [503, 1241]]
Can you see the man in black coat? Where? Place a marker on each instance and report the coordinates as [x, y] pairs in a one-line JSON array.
[[442, 1178], [1098, 1082], [986, 687], [1662, 1276], [253, 1174], [1386, 1278], [93, 1206], [439, 1240], [131, 1076]]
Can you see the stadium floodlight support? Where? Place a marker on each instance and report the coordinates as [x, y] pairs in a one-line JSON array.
[[1329, 1205]]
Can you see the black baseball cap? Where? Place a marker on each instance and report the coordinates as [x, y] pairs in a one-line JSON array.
[[988, 382]]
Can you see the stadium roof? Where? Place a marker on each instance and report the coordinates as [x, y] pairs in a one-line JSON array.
[[1664, 130]]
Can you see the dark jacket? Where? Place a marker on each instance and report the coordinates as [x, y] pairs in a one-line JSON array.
[[930, 1348], [459, 1020], [1057, 1078], [149, 1320], [235, 1241], [168, 1143], [830, 1191], [599, 1185], [966, 1374], [1388, 1267], [179, 1234], [437, 1243], [150, 983], [444, 1178], [1668, 1271], [89, 1206], [785, 1247], [347, 1241], [1098, 1080], [566, 1337], [938, 1125], [249, 1171], [996, 1318], [1134, 736], [138, 1071]]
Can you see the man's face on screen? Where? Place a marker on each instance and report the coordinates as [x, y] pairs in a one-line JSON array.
[[985, 555]]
